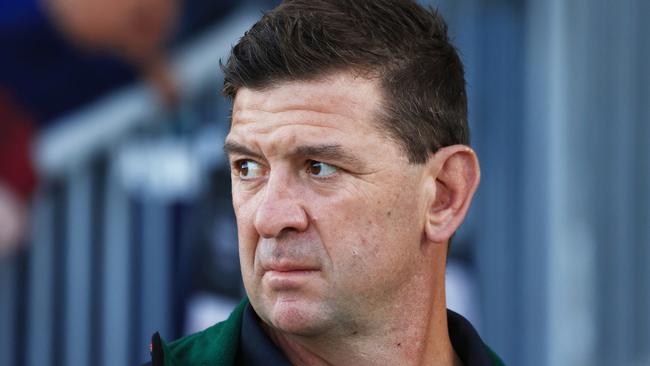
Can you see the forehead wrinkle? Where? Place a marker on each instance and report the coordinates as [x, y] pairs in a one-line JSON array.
[[264, 123], [274, 142], [315, 93], [294, 146], [269, 138], [293, 107], [303, 97]]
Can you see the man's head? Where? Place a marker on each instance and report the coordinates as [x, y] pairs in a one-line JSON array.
[[401, 45], [349, 165]]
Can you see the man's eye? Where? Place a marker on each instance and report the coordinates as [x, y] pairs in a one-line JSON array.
[[320, 169], [249, 169]]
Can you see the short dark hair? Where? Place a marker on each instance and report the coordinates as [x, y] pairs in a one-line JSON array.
[[403, 45]]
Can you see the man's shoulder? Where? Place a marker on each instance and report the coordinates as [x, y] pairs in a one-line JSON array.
[[216, 345]]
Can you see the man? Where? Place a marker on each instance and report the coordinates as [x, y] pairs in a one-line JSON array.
[[350, 174]]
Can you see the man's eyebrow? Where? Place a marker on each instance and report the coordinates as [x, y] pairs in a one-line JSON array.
[[332, 152], [231, 147]]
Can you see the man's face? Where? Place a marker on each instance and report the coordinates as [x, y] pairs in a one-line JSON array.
[[330, 213]]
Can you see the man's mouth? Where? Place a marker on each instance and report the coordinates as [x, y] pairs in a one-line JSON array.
[[289, 276], [289, 267]]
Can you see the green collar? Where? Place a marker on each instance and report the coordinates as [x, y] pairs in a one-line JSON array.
[[216, 345]]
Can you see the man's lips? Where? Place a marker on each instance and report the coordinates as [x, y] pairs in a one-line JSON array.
[[286, 276], [289, 268]]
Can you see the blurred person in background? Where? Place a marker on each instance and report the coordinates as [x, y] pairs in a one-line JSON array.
[[58, 55], [350, 173], [17, 177]]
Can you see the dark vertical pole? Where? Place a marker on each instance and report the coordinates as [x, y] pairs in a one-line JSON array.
[[135, 286], [21, 296], [178, 288]]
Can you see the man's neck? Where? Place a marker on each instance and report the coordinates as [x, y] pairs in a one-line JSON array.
[[350, 354]]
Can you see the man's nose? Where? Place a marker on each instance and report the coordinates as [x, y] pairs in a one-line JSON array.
[[281, 209]]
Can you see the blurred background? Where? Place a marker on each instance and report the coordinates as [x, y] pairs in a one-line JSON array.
[[115, 214]]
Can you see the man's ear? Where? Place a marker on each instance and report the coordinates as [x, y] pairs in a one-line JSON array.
[[455, 173]]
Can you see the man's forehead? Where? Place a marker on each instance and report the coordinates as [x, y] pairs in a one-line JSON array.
[[337, 110], [340, 93]]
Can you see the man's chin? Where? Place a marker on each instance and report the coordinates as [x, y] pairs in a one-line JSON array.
[[297, 317]]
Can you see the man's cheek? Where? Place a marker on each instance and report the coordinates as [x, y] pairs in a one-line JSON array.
[[247, 245]]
